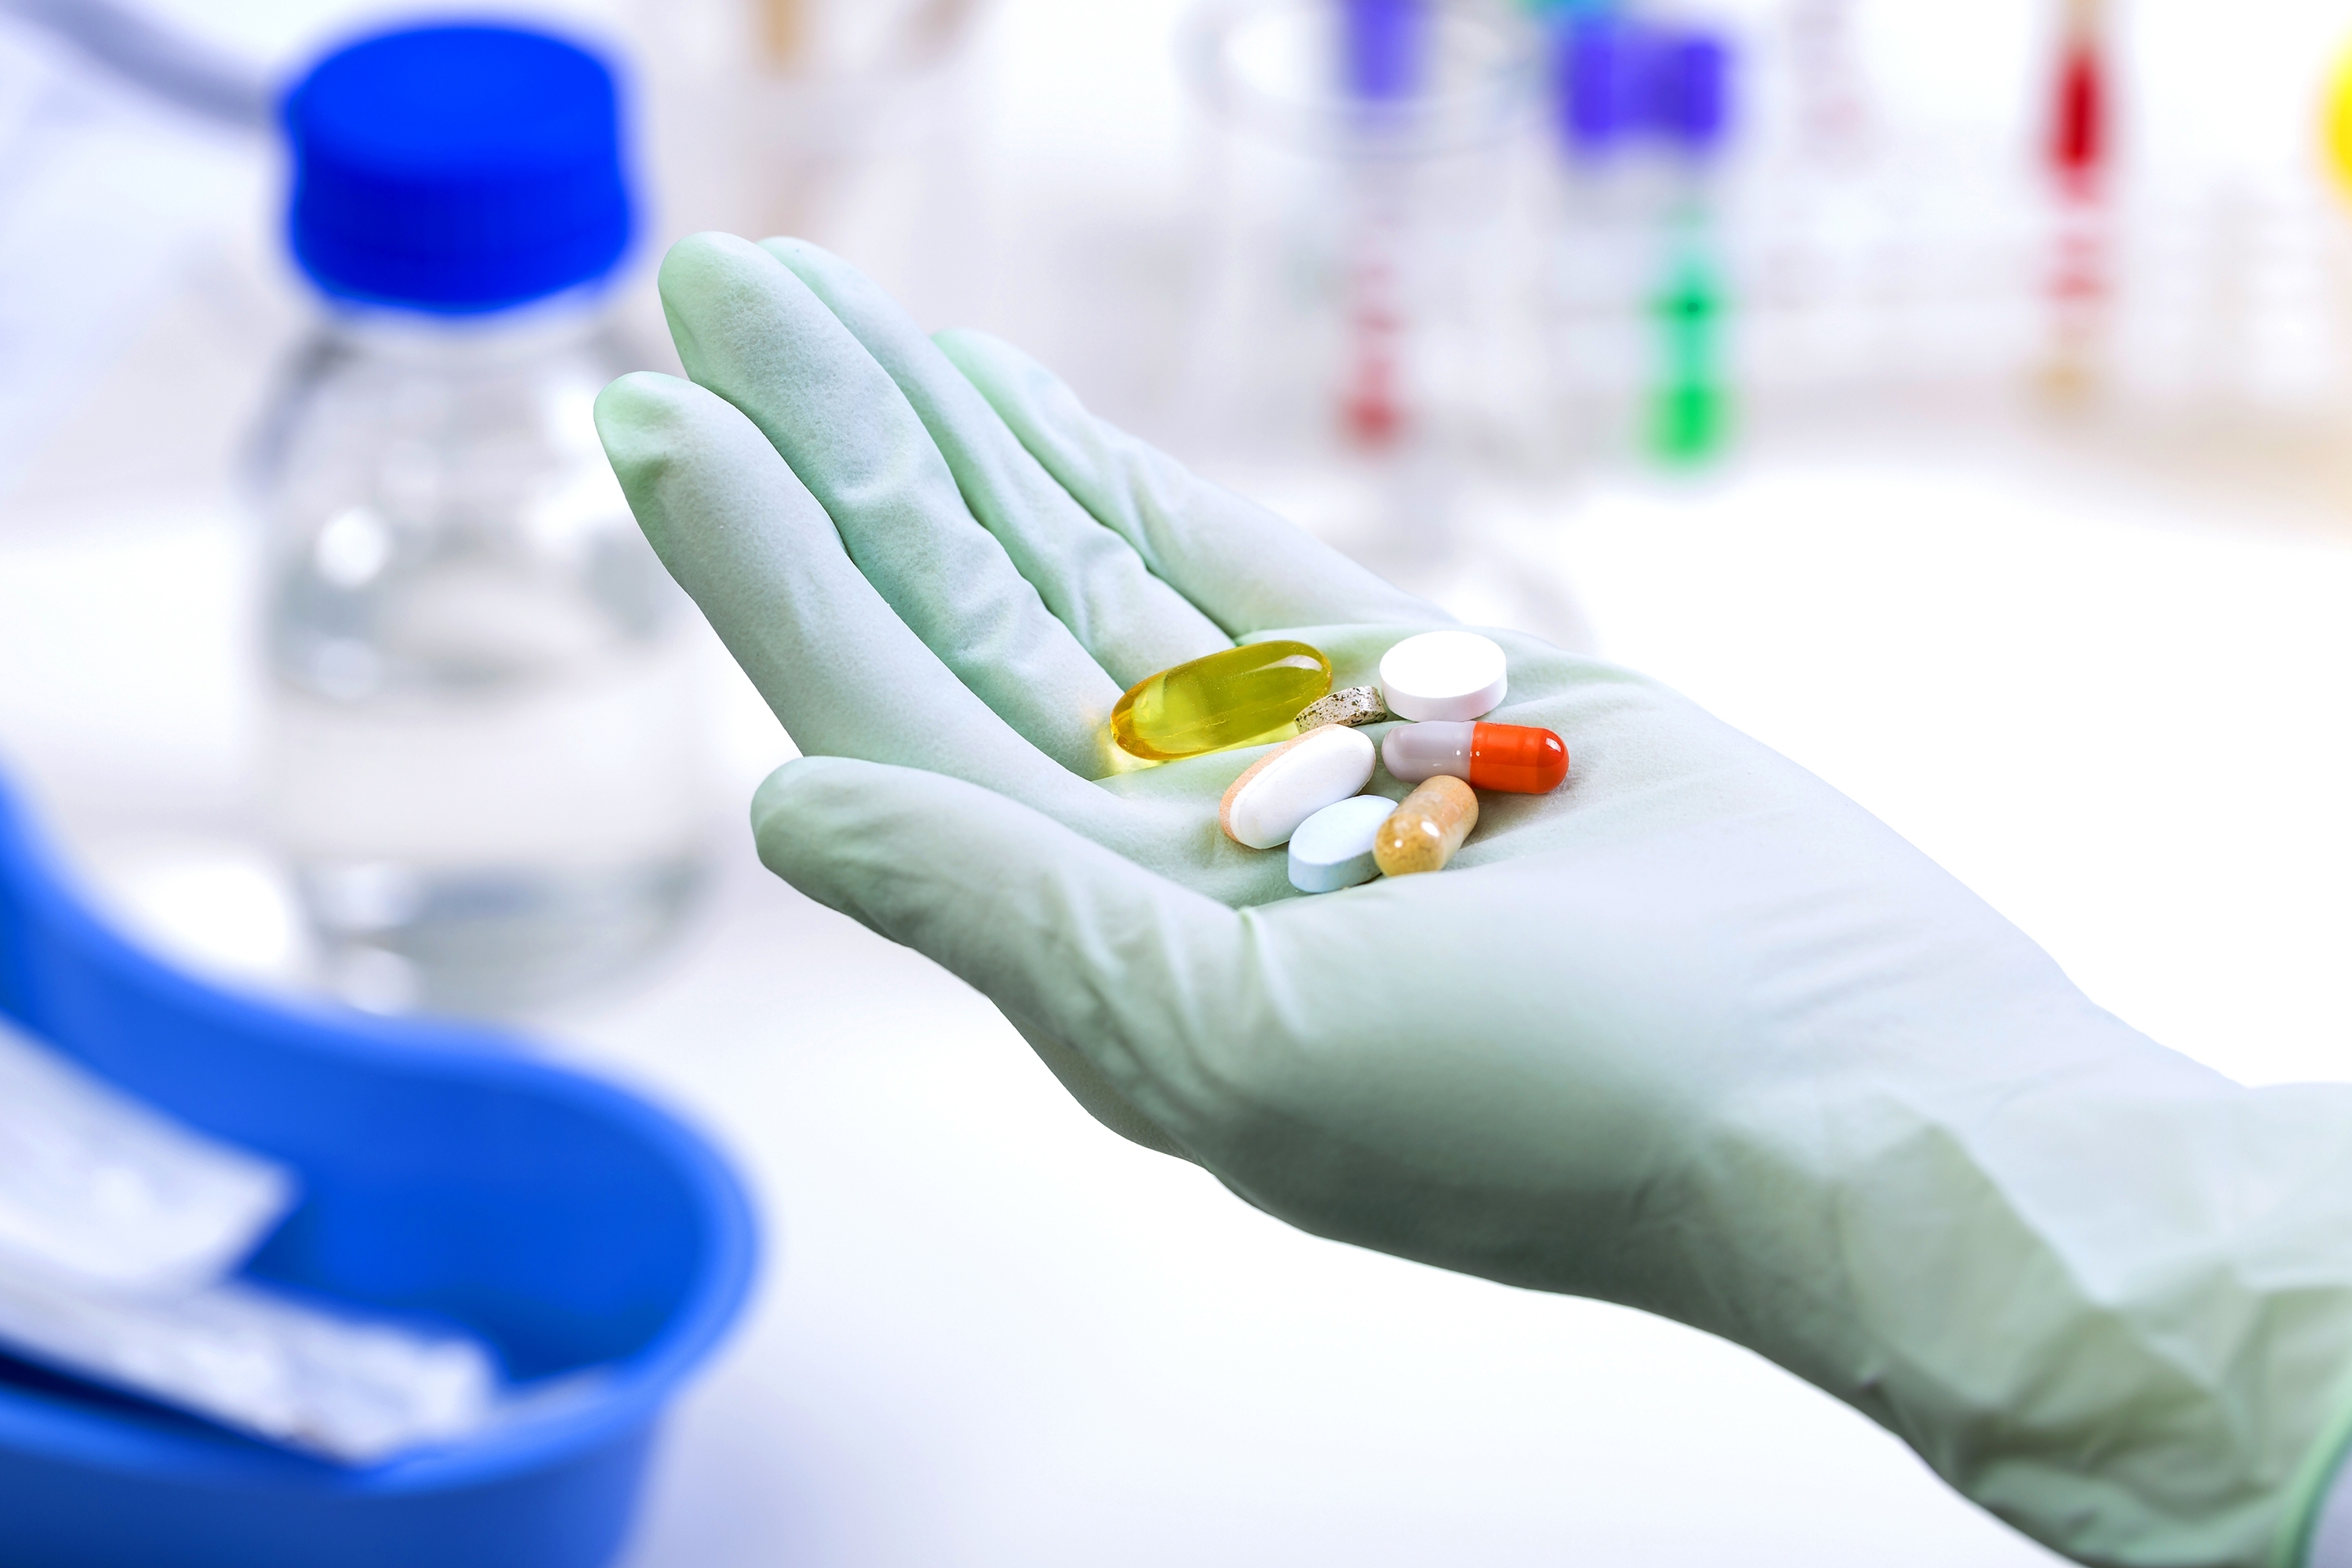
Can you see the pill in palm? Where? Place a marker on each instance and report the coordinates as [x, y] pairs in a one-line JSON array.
[[1427, 828], [1226, 699], [1293, 781], [1333, 848], [1444, 676], [1353, 705], [1515, 759]]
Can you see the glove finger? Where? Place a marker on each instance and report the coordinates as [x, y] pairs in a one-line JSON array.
[[846, 677], [1091, 578], [1119, 971], [745, 538], [1247, 567], [751, 331]]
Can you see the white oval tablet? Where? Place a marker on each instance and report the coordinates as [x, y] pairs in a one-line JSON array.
[[1446, 676], [1333, 848], [1293, 781]]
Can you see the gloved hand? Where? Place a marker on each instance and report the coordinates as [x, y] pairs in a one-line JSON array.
[[1694, 1034]]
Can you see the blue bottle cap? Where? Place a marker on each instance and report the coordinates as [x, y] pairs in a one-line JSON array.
[[455, 169]]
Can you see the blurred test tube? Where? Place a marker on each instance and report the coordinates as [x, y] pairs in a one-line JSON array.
[[1354, 231], [1643, 114], [1688, 83], [2076, 154], [2335, 136], [1383, 48], [1832, 108], [1599, 266], [837, 120]]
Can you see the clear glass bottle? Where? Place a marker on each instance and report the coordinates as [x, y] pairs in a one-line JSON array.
[[483, 759], [482, 742]]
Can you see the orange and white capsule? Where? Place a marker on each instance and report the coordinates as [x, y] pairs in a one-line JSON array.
[[1514, 759]]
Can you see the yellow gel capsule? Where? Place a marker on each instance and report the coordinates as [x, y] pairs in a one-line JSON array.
[[1242, 694], [1427, 827]]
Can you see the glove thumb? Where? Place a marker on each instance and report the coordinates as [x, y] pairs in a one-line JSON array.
[[1109, 971]]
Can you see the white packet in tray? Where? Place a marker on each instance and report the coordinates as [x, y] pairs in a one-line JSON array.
[[338, 1386], [99, 1190]]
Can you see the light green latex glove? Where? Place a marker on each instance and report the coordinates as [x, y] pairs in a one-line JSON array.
[[1695, 1033]]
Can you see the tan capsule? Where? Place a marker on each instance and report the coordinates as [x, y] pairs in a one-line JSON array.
[[1422, 832]]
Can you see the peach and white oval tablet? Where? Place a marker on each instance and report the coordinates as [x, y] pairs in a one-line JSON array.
[[1443, 676], [1293, 781]]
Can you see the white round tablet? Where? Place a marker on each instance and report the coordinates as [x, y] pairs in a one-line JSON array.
[[1446, 676], [1333, 848]]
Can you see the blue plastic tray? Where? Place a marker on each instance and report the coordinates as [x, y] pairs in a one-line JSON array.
[[568, 1224]]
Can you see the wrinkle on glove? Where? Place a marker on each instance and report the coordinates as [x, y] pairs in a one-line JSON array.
[[1693, 1034], [753, 332], [1133, 623]]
